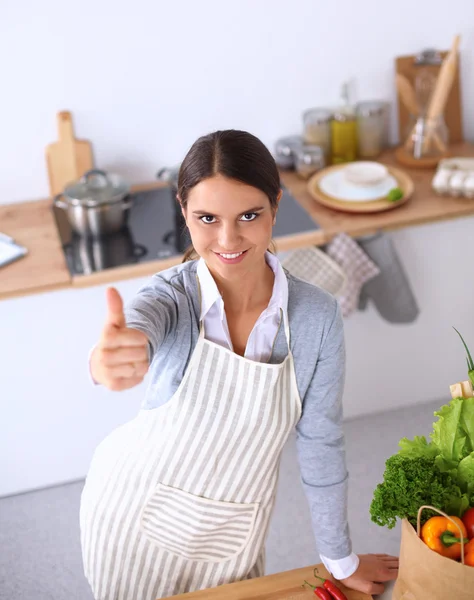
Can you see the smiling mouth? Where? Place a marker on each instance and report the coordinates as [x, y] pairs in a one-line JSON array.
[[231, 255]]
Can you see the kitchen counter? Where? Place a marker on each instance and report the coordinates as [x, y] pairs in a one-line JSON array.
[[44, 268], [424, 207], [280, 586]]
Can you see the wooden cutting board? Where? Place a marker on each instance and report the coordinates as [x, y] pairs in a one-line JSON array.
[[67, 159], [281, 586]]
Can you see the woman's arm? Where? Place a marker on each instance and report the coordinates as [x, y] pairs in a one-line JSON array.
[[321, 451], [153, 311], [130, 336]]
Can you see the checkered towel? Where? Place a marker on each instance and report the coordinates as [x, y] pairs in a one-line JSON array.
[[314, 266], [356, 265]]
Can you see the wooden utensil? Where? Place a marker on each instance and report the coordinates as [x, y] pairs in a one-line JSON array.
[[68, 159], [408, 97], [404, 182], [407, 93], [436, 108], [407, 66], [444, 84]]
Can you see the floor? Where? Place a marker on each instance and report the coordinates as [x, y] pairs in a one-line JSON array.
[[39, 534]]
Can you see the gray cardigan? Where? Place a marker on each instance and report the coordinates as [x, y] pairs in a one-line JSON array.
[[167, 310]]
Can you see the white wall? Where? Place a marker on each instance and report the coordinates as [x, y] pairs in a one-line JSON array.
[[143, 80]]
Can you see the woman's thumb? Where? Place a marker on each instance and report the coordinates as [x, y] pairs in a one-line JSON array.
[[115, 314]]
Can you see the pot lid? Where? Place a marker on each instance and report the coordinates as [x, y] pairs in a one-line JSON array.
[[96, 187]]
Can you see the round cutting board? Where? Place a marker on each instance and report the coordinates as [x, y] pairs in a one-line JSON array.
[[404, 182]]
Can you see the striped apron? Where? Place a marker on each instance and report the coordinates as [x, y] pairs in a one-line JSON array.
[[179, 499]]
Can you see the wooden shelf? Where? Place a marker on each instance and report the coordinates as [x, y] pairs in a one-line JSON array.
[[424, 207], [44, 268]]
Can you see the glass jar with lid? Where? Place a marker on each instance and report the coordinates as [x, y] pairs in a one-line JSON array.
[[317, 128], [308, 160], [371, 128]]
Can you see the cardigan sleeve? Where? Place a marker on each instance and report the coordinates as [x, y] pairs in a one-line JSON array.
[[154, 311], [321, 447]]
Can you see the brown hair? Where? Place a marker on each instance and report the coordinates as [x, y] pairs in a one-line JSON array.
[[234, 154]]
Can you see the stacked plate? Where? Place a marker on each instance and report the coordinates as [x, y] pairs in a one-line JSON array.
[[361, 187]]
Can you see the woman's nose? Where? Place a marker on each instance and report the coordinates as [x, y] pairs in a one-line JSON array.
[[229, 237]]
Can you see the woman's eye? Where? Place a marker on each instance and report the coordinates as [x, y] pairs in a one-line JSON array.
[[207, 219], [249, 216]]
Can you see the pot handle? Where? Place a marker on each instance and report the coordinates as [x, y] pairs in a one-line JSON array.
[[59, 202], [139, 251], [94, 173]]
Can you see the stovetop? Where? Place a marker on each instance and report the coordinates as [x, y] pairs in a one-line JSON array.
[[155, 230]]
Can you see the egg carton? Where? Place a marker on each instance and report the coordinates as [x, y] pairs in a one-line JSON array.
[[455, 177]]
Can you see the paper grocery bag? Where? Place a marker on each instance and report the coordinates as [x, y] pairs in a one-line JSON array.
[[426, 575]]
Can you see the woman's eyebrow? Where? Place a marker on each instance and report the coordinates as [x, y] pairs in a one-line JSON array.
[[249, 210]]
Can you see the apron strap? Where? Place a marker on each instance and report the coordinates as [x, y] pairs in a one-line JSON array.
[[286, 325], [202, 333]]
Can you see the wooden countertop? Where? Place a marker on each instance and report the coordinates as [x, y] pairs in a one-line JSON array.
[[424, 207], [281, 586], [32, 224]]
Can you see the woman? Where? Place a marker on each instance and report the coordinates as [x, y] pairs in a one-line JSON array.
[[239, 353]]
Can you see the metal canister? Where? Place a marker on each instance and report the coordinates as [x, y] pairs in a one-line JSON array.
[[371, 128], [285, 149]]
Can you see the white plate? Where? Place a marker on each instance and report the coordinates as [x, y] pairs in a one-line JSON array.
[[335, 184]]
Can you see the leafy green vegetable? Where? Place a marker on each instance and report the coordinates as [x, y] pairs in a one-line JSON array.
[[395, 194], [439, 472], [453, 433], [465, 474], [470, 362], [418, 447], [408, 484]]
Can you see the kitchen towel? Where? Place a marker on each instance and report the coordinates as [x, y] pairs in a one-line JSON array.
[[358, 267], [314, 266], [390, 290]]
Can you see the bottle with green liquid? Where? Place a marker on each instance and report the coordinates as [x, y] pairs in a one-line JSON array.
[[344, 131]]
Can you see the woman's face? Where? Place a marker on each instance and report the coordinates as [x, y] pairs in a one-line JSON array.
[[230, 225]]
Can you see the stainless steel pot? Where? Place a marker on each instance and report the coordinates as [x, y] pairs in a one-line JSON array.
[[97, 205]]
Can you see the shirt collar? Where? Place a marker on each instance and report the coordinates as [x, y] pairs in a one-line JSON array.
[[210, 293]]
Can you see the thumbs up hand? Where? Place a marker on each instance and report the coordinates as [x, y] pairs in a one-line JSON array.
[[120, 359]]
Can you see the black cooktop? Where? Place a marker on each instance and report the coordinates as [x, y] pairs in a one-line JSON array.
[[155, 230]]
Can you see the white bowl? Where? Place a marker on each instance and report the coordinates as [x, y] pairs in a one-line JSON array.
[[365, 173]]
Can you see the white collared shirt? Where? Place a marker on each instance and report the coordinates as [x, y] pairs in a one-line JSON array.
[[261, 338], [259, 348]]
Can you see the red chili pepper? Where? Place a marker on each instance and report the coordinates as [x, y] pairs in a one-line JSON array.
[[320, 592], [335, 592]]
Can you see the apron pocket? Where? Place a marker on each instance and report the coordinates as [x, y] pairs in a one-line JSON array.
[[197, 528]]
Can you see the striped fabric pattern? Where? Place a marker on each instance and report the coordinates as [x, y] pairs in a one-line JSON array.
[[197, 528], [179, 499]]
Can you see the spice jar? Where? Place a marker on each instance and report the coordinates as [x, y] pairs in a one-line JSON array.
[[371, 134], [317, 128], [308, 160], [285, 149]]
